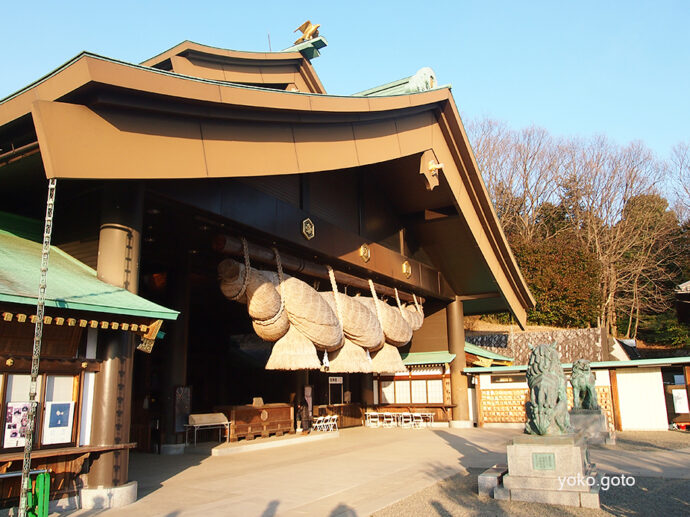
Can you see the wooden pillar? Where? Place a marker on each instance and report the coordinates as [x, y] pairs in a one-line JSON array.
[[458, 381], [686, 371], [367, 389], [617, 423], [118, 265], [176, 344]]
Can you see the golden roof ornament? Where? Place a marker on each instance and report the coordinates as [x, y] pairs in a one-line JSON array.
[[309, 31]]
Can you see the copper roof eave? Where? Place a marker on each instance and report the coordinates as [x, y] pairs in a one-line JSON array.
[[306, 69], [451, 121], [89, 68], [439, 103], [215, 51]]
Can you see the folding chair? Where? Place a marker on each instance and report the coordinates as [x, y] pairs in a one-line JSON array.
[[333, 423], [417, 420], [319, 423], [406, 420], [388, 420], [373, 420]]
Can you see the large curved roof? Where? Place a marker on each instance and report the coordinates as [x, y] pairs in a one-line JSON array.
[[100, 118]]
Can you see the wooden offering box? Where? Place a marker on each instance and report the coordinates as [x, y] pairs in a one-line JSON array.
[[250, 421]]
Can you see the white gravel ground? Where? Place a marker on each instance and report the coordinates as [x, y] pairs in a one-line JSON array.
[[457, 495]]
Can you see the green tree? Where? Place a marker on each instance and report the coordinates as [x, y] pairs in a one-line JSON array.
[[563, 276]]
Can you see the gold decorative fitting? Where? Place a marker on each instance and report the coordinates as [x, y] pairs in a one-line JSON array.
[[9, 362], [146, 345], [308, 229], [406, 269], [434, 167], [428, 168], [365, 252], [84, 364]]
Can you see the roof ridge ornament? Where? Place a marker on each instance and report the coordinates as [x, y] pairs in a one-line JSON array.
[[309, 31], [423, 80]]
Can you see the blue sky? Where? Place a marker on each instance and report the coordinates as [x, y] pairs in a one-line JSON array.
[[620, 68]]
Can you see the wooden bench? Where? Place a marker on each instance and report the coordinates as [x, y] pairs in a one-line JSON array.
[[207, 421]]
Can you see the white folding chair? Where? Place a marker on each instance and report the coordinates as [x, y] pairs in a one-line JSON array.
[[319, 423], [388, 420], [417, 420], [406, 420], [333, 423], [373, 420]]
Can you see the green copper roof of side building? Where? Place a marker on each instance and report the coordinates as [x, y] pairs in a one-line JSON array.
[[483, 352], [635, 363], [70, 284], [414, 358]]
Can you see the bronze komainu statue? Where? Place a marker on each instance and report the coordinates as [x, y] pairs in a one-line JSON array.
[[547, 410], [582, 380]]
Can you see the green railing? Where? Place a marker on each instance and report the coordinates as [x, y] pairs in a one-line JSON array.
[[36, 501]]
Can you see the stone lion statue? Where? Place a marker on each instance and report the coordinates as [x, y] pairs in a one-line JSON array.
[[582, 380], [547, 410]]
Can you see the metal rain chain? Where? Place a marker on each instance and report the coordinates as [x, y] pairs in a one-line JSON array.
[[38, 334]]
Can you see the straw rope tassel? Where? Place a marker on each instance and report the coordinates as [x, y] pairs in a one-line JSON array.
[[376, 306], [420, 309], [334, 286], [338, 313], [397, 299]]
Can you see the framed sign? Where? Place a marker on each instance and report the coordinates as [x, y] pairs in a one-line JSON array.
[[57, 423], [182, 407], [16, 424], [680, 401], [335, 380]]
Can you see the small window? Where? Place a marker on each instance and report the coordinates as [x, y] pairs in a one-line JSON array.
[[387, 392], [55, 414], [419, 392], [402, 392], [435, 391], [17, 409], [58, 417]]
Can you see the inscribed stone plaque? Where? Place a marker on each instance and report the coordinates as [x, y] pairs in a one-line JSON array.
[[543, 461]]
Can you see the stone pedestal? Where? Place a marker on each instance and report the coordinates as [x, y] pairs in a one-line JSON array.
[[548, 469], [592, 422]]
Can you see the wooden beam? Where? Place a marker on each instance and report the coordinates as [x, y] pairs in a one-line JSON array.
[[233, 246], [479, 296], [267, 219], [22, 364]]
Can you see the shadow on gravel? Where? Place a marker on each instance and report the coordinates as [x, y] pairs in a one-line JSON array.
[[461, 444]]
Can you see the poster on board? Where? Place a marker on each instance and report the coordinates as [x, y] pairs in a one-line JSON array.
[[57, 424], [680, 401], [16, 424]]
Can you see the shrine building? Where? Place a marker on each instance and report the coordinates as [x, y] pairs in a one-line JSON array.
[[167, 169]]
